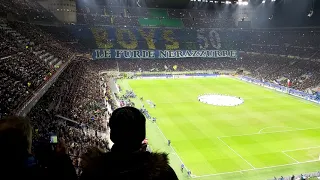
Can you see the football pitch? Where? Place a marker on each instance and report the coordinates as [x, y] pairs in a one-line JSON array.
[[270, 134]]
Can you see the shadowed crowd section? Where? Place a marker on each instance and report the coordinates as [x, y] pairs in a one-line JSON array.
[[79, 127]]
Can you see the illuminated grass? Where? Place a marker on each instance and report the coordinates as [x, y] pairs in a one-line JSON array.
[[259, 139]]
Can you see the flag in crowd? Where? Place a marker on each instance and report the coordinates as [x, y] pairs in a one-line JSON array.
[[289, 83], [175, 67]]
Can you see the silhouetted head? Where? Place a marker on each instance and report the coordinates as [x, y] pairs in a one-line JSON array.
[[15, 139], [128, 128]]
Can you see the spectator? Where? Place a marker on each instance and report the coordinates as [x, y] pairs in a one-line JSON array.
[[81, 103], [126, 159], [16, 139]]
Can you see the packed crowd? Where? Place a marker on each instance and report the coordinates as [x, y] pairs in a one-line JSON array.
[[77, 97], [302, 73], [128, 158], [25, 10], [29, 57], [124, 16], [73, 108], [42, 40], [298, 43]]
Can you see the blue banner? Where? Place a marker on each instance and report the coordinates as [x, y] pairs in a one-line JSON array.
[[161, 54]]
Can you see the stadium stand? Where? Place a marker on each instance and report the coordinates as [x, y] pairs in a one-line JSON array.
[[299, 43], [155, 17], [31, 53], [27, 63], [76, 95], [159, 13], [25, 10]]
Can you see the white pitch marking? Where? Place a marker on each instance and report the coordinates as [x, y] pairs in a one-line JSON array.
[[256, 169], [272, 127], [174, 151], [269, 132], [236, 153], [301, 149], [282, 93], [290, 157]]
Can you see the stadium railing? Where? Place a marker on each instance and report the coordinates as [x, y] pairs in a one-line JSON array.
[[293, 92], [24, 109], [315, 175]]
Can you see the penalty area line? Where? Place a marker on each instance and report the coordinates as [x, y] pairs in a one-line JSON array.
[[290, 157], [314, 147], [237, 153], [256, 169], [273, 127], [274, 132]]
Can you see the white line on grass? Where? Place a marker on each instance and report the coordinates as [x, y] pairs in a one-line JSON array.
[[297, 129], [279, 92], [195, 100], [236, 153], [271, 127], [172, 148], [256, 169], [290, 157], [260, 132], [301, 149]]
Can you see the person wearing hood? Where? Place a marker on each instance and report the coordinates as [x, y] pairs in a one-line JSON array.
[[128, 158]]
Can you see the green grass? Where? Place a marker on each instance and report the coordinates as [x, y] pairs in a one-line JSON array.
[[271, 134]]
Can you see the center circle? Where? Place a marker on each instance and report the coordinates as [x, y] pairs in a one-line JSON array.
[[220, 100]]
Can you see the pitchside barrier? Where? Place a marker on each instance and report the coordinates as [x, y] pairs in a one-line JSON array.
[[283, 89], [171, 76], [30, 103], [302, 176], [270, 85], [273, 86]]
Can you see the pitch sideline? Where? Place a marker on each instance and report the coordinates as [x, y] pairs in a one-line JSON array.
[[253, 169], [256, 169], [273, 127], [171, 147], [237, 153], [290, 157], [268, 167], [314, 147], [296, 129]]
